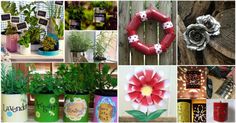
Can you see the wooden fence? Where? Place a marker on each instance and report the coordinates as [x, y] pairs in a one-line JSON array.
[[150, 32]]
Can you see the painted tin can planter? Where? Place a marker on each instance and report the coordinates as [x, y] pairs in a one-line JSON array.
[[220, 111], [11, 42], [14, 108], [105, 106], [46, 108], [183, 110], [76, 108]]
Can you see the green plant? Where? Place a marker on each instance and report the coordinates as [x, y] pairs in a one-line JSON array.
[[29, 11], [13, 81], [104, 79], [103, 42], [48, 44], [78, 43], [103, 4], [9, 7], [10, 29], [77, 78], [25, 39], [45, 84]]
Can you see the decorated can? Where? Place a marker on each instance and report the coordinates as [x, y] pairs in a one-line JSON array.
[[76, 108], [105, 106], [183, 111], [220, 111], [46, 108], [14, 108]]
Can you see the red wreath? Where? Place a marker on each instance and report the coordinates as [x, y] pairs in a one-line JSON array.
[[150, 14]]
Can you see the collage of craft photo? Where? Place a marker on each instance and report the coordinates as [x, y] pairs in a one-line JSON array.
[[117, 61]]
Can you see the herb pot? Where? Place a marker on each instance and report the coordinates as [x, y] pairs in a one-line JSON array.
[[105, 106], [11, 42], [25, 50], [76, 108], [48, 53], [46, 108], [14, 108], [78, 56]]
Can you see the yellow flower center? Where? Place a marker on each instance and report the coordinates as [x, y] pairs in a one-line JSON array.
[[146, 90]]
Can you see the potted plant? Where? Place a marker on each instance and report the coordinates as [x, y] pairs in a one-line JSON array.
[[46, 90], [78, 83], [29, 11], [78, 45], [11, 33], [25, 47], [14, 99], [105, 99], [103, 41], [73, 15], [48, 47]]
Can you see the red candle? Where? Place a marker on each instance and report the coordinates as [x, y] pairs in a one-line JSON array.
[[220, 111]]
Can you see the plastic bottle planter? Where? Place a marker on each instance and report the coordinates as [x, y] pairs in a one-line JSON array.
[[14, 108], [11, 42], [105, 106], [220, 111], [25, 50], [184, 111], [76, 108], [46, 108]]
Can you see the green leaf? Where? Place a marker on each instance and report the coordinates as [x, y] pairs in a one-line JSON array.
[[155, 114], [140, 116]]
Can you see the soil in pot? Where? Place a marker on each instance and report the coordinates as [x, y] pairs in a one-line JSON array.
[[76, 107], [105, 106], [46, 108], [99, 58], [14, 107]]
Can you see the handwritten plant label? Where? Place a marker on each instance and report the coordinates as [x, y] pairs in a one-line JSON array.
[[76, 109], [21, 26], [41, 13], [43, 22], [6, 17], [59, 2], [15, 19], [11, 110]]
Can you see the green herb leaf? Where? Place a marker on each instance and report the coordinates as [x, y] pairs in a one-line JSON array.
[[155, 114], [140, 116]]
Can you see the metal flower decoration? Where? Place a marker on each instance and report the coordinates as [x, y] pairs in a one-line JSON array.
[[196, 37], [212, 25], [146, 90]]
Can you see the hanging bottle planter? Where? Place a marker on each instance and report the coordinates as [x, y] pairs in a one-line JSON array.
[[105, 106], [100, 18], [14, 108], [76, 108], [220, 111], [46, 108]]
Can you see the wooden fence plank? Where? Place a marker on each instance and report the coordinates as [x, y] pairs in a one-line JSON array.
[[124, 50], [166, 58], [151, 35], [137, 57]]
